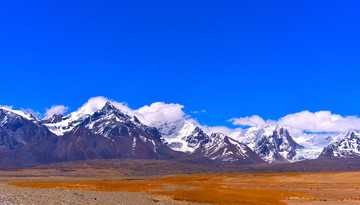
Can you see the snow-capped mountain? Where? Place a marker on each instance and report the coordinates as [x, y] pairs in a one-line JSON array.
[[346, 144], [313, 145], [109, 133], [318, 141], [271, 143], [226, 150], [187, 136], [61, 124], [18, 129], [177, 140], [24, 141], [101, 129], [104, 133]]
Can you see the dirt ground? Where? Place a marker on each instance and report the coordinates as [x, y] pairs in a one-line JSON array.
[[10, 195]]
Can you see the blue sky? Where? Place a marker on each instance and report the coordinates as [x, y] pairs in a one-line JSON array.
[[230, 58]]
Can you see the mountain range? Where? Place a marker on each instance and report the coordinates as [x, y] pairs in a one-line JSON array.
[[110, 133]]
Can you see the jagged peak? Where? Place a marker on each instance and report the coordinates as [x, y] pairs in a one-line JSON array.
[[109, 109], [198, 130], [218, 134], [108, 105]]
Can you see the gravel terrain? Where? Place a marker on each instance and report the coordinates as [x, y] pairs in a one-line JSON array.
[[13, 195]]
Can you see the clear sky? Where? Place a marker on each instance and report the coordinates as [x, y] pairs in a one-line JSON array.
[[230, 58]]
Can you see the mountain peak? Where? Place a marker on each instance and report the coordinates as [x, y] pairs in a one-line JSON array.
[[19, 113], [346, 144], [109, 106]]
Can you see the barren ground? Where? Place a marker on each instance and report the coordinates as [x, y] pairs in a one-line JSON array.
[[70, 184]]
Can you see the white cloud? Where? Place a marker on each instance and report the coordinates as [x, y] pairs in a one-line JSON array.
[[297, 123], [96, 103], [322, 121], [10, 107], [36, 114], [219, 129], [306, 121], [197, 112], [254, 120], [56, 109], [160, 112]]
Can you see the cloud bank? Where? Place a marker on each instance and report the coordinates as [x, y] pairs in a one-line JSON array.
[[32, 112], [321, 121], [161, 112], [56, 109], [158, 112], [10, 107], [254, 120]]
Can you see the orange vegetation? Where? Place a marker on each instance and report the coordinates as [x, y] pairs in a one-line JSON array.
[[204, 188], [93, 186], [232, 196]]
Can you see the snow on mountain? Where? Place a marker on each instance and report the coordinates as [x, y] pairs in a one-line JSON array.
[[253, 134], [313, 145], [167, 124], [346, 144], [104, 133], [176, 134], [227, 150], [27, 116], [61, 124], [271, 143], [18, 129], [109, 121], [110, 133], [187, 136]]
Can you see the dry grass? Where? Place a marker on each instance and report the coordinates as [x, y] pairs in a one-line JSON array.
[[142, 186], [232, 195]]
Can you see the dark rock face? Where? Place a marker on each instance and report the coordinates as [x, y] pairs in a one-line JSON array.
[[16, 131], [344, 146], [197, 138], [279, 147], [23, 142]]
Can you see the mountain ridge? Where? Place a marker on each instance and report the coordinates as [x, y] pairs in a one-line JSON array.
[[104, 131]]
